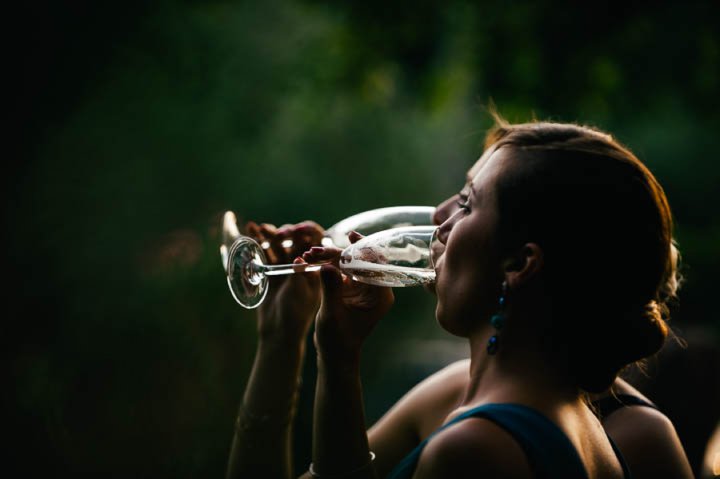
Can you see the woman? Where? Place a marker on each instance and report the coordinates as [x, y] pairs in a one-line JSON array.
[[554, 268]]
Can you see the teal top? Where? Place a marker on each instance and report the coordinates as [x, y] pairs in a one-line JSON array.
[[548, 450]]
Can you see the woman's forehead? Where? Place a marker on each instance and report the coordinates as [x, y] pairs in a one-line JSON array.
[[490, 159]]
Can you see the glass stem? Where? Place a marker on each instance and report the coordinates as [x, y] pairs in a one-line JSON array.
[[281, 269]]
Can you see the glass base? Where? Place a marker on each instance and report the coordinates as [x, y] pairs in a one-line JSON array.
[[247, 285]]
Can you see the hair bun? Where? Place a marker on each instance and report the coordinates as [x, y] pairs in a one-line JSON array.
[[629, 338]]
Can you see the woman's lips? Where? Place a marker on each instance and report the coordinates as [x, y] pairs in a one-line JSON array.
[[436, 251], [437, 264]]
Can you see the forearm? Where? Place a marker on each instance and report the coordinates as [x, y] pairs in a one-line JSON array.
[[340, 443], [261, 445]]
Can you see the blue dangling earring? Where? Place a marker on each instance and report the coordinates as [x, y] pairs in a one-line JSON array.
[[497, 321]]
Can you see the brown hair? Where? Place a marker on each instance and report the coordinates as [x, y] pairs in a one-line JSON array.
[[605, 227]]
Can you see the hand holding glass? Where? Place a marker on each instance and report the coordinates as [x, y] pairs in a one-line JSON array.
[[396, 257]]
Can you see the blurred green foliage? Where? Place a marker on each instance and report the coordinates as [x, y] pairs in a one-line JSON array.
[[139, 124]]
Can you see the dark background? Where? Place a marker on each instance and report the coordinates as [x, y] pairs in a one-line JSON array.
[[134, 125]]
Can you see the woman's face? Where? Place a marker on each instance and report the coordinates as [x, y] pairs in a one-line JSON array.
[[469, 272]]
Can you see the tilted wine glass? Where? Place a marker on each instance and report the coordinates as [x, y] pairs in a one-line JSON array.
[[365, 223], [396, 257]]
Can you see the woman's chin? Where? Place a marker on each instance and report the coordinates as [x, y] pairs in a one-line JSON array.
[[451, 321], [441, 317]]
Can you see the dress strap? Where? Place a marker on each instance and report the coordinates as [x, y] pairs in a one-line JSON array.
[[609, 404], [623, 464]]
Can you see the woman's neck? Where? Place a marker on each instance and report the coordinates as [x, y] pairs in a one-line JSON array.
[[514, 374]]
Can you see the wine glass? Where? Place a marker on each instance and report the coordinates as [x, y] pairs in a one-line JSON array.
[[365, 223], [396, 257]]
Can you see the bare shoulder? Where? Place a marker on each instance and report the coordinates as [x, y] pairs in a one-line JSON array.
[[457, 371], [417, 414], [438, 392], [472, 446], [450, 379], [426, 405], [638, 423], [649, 442]]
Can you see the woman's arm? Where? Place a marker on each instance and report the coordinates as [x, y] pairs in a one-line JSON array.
[[348, 313], [261, 445], [350, 310]]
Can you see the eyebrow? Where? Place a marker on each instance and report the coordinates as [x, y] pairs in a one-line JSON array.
[[468, 189], [472, 190]]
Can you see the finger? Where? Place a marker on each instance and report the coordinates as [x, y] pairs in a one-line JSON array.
[[285, 232], [268, 229], [300, 244], [251, 229], [284, 229], [303, 238], [254, 231], [300, 266], [317, 254], [260, 234], [275, 237], [314, 230], [354, 236]]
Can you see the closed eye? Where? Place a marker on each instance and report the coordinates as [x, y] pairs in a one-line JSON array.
[[463, 203]]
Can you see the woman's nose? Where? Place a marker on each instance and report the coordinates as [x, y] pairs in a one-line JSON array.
[[447, 226], [444, 211]]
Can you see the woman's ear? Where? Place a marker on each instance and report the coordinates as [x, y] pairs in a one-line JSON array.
[[524, 265]]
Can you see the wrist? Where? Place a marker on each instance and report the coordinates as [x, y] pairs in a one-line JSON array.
[[274, 383], [284, 334], [281, 348], [339, 366], [336, 349]]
